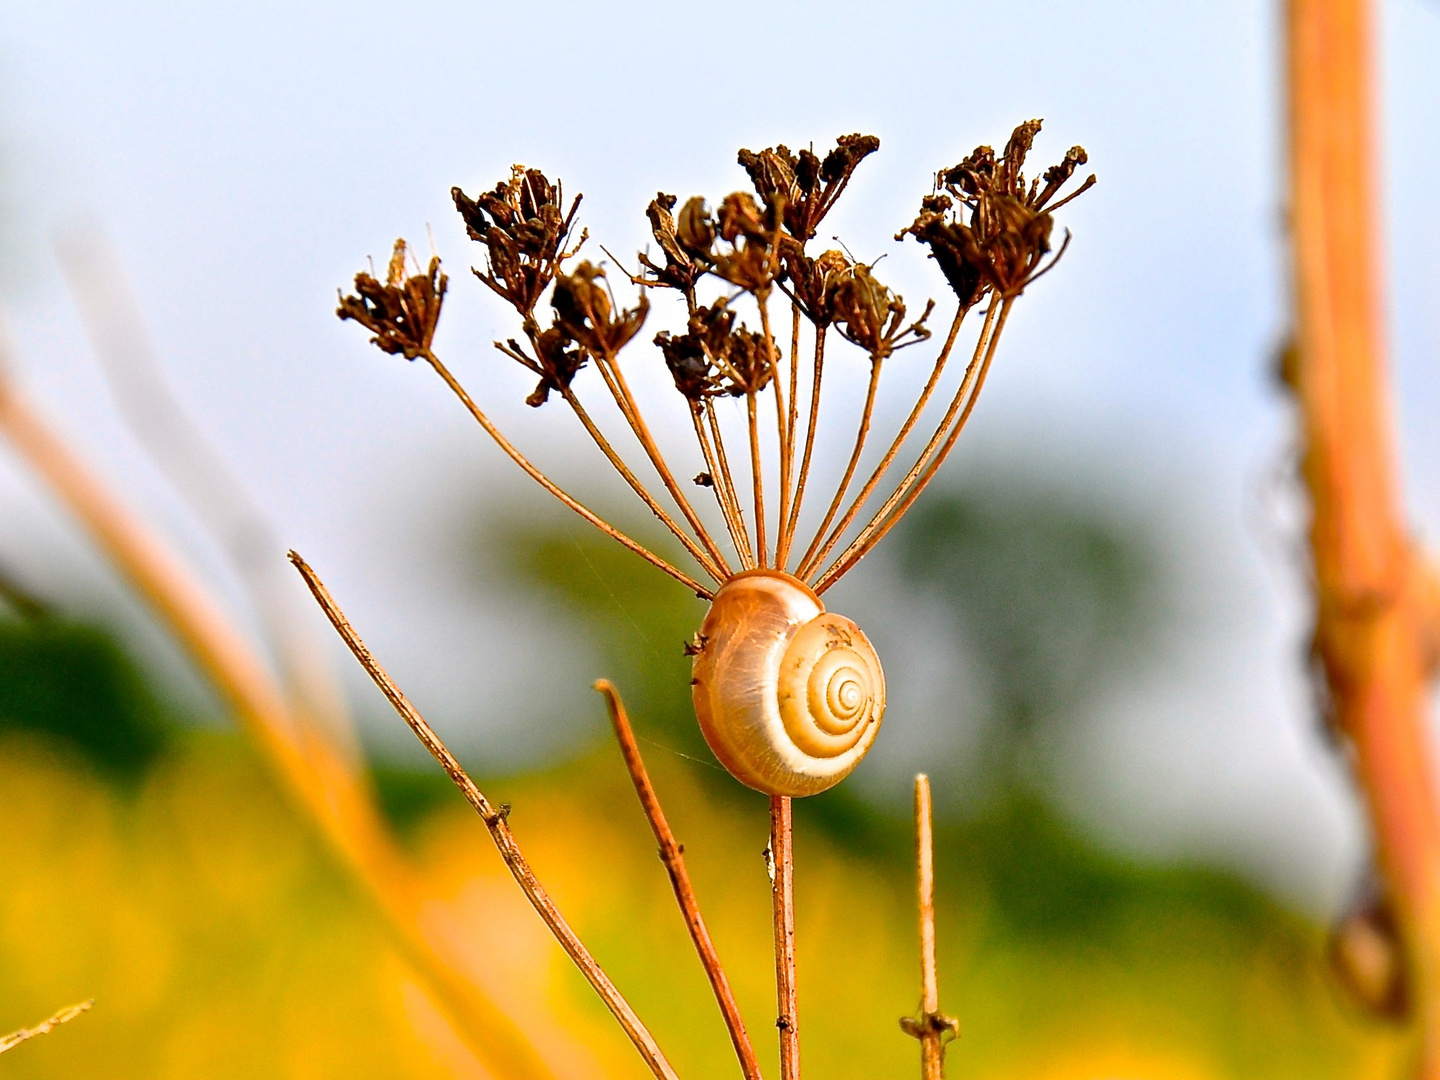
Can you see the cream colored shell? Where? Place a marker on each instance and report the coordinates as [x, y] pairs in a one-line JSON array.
[[789, 696]]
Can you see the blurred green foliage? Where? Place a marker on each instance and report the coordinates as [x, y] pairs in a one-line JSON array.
[[72, 682]]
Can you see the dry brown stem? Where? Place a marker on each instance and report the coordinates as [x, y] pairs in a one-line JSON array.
[[932, 1027], [898, 443], [712, 565], [620, 390], [781, 855], [917, 480], [810, 558], [549, 485], [499, 828], [817, 370], [64, 1016], [1370, 611], [322, 782], [757, 481], [747, 556], [672, 854]]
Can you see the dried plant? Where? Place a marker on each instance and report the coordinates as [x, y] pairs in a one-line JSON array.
[[64, 1016], [788, 696]]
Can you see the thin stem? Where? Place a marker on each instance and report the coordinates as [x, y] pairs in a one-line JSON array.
[[809, 559], [550, 486], [707, 563], [782, 437], [782, 542], [321, 781], [757, 482], [895, 446], [64, 1016], [782, 893], [819, 366], [747, 556], [615, 380], [727, 509], [672, 855], [887, 518], [933, 1028], [499, 828]]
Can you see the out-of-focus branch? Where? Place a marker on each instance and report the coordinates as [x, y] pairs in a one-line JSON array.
[[321, 781], [147, 403], [1371, 611], [672, 854], [64, 1016], [495, 819]]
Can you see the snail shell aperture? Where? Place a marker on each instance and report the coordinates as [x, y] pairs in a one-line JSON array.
[[788, 695]]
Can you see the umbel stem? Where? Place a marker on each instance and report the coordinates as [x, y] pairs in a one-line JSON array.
[[781, 855], [932, 1027]]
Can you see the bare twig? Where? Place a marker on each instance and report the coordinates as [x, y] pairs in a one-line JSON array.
[[495, 821], [554, 489], [64, 1016], [781, 855], [782, 435], [672, 854], [782, 542], [322, 782], [932, 1027]]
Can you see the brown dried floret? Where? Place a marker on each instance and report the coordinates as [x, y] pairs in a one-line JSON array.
[[402, 312], [803, 186], [871, 316], [524, 228], [740, 246], [555, 361], [680, 271], [812, 282], [586, 311]]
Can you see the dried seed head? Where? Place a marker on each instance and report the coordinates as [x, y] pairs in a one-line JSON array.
[[1007, 235], [871, 316], [586, 311], [402, 312], [524, 229], [690, 366], [680, 270], [802, 186], [813, 281]]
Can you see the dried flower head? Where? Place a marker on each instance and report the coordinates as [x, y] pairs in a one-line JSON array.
[[524, 228], [992, 230], [871, 316], [586, 310], [402, 312], [987, 227]]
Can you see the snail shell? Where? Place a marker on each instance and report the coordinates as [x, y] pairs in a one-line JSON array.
[[788, 695]]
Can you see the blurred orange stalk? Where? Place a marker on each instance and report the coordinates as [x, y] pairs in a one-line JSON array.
[[320, 780], [1375, 605]]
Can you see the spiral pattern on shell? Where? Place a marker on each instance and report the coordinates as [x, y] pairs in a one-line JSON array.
[[789, 696]]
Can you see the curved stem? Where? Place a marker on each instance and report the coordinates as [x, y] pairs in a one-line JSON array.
[[554, 489], [808, 560], [781, 854]]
